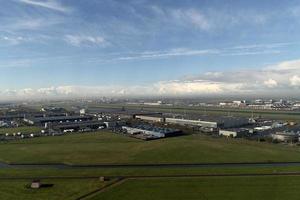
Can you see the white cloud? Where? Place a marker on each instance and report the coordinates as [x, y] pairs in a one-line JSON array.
[[49, 4], [255, 52], [85, 40], [13, 40], [169, 53], [295, 80], [287, 65], [195, 87], [30, 23], [251, 49], [270, 83]]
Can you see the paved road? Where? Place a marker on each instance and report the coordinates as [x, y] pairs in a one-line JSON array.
[[167, 165], [297, 173]]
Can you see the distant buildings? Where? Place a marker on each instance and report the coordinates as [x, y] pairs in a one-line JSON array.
[[285, 136], [270, 104]]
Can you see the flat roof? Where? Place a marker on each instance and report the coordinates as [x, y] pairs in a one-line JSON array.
[[59, 118]]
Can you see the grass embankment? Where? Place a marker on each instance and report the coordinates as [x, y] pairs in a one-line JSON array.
[[22, 129], [108, 148]]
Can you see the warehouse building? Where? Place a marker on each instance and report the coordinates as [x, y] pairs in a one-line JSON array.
[[151, 118], [211, 122], [151, 131], [57, 119], [77, 126], [187, 122], [239, 132], [286, 136]]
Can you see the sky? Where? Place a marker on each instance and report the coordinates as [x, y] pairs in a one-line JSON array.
[[94, 48]]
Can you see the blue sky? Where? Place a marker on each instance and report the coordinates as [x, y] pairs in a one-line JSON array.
[[165, 47]]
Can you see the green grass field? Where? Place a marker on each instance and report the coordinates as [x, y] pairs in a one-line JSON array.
[[62, 189], [212, 188], [23, 129], [106, 147]]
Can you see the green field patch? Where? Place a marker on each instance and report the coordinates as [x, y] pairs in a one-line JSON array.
[[23, 130], [212, 188], [62, 189]]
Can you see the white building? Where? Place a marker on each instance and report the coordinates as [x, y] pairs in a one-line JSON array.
[[135, 131], [192, 122], [286, 137], [233, 132], [150, 118], [82, 111]]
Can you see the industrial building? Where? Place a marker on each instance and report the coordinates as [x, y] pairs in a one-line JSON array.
[[187, 122], [207, 122], [239, 132], [211, 121], [77, 126], [59, 119], [286, 136], [150, 118], [151, 132]]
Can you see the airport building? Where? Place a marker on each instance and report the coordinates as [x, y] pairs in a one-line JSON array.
[[77, 126], [151, 132], [286, 137], [187, 122], [58, 119], [233, 132], [150, 118], [211, 122]]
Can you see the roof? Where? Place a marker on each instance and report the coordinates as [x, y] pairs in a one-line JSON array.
[[59, 118]]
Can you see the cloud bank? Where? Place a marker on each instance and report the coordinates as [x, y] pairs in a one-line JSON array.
[[275, 80]]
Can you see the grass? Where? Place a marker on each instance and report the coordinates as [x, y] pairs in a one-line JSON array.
[[62, 189], [106, 147], [23, 129], [212, 188], [163, 171]]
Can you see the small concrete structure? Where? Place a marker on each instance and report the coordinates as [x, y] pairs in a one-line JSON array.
[[103, 178], [35, 184]]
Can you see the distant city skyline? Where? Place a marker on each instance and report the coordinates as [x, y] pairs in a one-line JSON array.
[[67, 48]]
